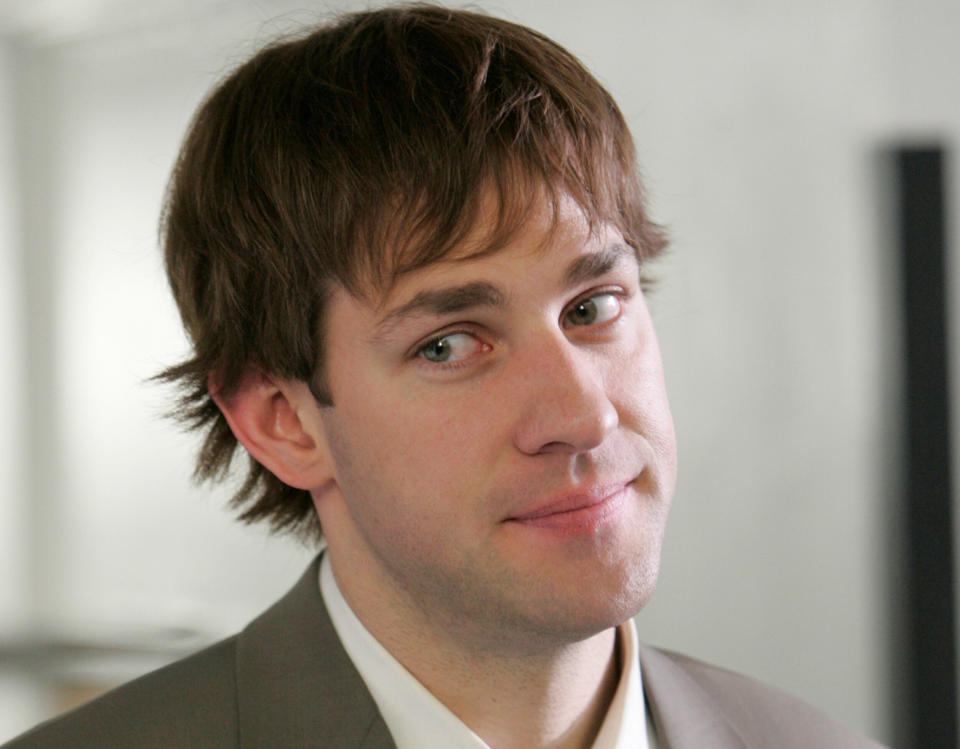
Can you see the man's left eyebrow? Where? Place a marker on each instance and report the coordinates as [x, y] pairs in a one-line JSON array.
[[596, 264]]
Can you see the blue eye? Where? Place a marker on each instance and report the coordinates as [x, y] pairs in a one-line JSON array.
[[450, 348], [596, 309]]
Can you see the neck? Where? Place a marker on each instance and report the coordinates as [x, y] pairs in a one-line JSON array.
[[546, 694], [555, 700]]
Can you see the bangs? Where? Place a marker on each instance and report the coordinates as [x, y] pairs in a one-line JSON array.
[[424, 231]]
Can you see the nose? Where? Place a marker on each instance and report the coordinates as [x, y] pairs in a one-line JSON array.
[[565, 407]]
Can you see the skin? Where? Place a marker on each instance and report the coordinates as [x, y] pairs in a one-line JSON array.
[[495, 474]]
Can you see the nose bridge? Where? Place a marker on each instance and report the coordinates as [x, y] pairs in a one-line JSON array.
[[565, 406]]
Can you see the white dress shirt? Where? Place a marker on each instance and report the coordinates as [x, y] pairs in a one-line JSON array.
[[417, 719]]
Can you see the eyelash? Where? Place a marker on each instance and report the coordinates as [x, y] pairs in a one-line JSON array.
[[621, 294], [421, 347]]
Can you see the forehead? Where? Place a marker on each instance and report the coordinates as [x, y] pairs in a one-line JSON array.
[[500, 237]]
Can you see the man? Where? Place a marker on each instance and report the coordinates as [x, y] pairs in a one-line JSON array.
[[409, 249]]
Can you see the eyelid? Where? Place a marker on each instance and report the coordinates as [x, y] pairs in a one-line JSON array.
[[614, 290], [415, 350], [622, 294], [474, 358]]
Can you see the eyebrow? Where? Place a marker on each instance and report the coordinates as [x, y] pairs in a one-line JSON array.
[[453, 299], [596, 264], [443, 301]]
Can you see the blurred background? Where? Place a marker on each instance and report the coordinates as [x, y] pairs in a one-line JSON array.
[[758, 124]]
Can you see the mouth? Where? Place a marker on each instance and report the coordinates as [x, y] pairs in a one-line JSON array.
[[577, 511]]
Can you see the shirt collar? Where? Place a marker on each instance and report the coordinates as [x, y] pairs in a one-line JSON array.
[[415, 717]]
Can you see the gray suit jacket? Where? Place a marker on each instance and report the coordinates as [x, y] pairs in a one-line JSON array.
[[286, 682]]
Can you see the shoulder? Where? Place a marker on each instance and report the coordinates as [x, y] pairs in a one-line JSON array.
[[758, 714], [190, 703]]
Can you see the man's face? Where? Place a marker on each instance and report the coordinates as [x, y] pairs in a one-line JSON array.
[[502, 445]]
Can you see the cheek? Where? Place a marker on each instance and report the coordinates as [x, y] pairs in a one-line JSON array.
[[635, 380], [419, 454], [446, 425], [636, 385], [431, 439], [407, 489]]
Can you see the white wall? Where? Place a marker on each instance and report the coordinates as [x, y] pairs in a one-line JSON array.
[[756, 122], [15, 600], [13, 513]]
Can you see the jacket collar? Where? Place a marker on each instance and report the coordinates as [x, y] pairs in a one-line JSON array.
[[296, 687], [683, 714]]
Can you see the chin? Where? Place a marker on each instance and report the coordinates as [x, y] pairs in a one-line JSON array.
[[603, 604]]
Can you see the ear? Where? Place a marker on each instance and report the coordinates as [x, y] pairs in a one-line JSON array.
[[277, 421]]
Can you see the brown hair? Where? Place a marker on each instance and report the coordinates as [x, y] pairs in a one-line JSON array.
[[305, 165]]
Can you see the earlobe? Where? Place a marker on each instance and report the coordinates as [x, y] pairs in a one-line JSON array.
[[273, 420]]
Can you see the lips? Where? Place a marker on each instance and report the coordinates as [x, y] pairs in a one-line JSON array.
[[582, 508]]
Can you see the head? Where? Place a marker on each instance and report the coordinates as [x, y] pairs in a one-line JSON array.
[[346, 159]]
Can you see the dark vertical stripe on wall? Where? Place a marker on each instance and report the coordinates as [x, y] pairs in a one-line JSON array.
[[930, 629]]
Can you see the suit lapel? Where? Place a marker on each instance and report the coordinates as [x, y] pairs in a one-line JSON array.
[[683, 715], [296, 686]]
